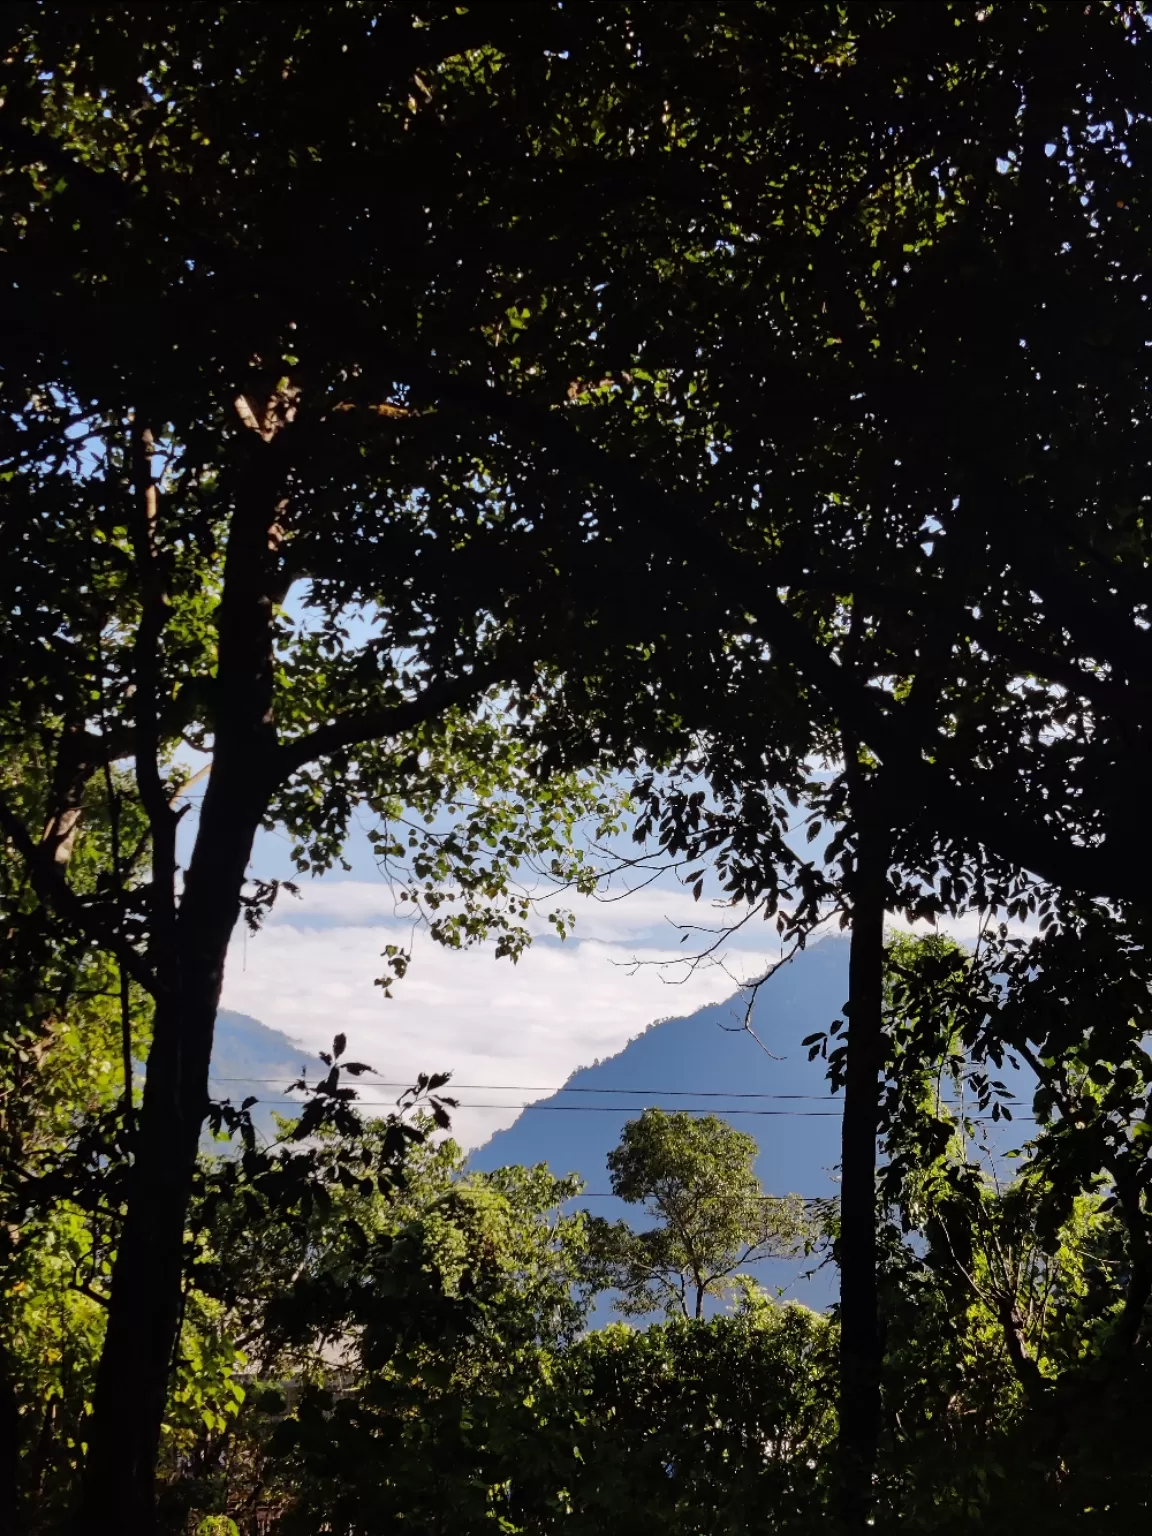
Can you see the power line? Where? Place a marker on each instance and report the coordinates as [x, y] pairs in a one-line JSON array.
[[687, 1093], [610, 1109], [765, 1199], [588, 1109], [663, 1093]]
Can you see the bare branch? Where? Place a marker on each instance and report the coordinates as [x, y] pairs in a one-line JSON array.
[[190, 783], [85, 1289], [153, 618], [124, 978], [753, 990]]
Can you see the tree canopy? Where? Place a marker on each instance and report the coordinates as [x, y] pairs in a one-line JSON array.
[[695, 1177], [454, 413]]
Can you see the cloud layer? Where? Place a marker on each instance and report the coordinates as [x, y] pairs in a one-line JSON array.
[[310, 973]]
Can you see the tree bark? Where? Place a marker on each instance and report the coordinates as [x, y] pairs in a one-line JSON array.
[[190, 951], [1131, 1320], [859, 1323], [10, 1436], [1025, 1369], [144, 1310]]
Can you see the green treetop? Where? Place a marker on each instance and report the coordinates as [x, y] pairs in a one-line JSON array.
[[696, 1177]]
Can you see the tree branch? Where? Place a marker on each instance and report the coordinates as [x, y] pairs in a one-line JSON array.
[[190, 783], [1024, 1367], [57, 896], [124, 979], [964, 810], [753, 990], [386, 720], [153, 618]]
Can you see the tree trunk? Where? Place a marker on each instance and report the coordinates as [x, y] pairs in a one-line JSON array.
[[1026, 1371], [859, 1324], [10, 1436], [147, 1282], [147, 1286]]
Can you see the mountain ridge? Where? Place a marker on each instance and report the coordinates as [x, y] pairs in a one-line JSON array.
[[707, 1061], [250, 1058]]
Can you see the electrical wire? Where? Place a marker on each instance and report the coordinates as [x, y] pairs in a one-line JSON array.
[[606, 1194], [616, 1109], [662, 1093]]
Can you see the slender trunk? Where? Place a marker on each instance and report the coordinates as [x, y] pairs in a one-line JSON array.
[[1131, 1320], [132, 1383], [859, 1324], [144, 1311], [147, 1282], [1025, 1369]]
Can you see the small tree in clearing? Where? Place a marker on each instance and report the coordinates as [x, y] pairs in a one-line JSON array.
[[696, 1177]]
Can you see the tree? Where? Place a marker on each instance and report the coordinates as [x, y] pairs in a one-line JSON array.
[[696, 1177], [69, 1034], [886, 565], [1041, 1276], [721, 1426], [666, 456], [173, 483], [255, 1211], [475, 1394], [454, 1310]]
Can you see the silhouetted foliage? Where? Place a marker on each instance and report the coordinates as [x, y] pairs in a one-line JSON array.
[[432, 411]]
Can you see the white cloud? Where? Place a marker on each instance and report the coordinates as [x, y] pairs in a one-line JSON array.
[[310, 973], [968, 926], [648, 912]]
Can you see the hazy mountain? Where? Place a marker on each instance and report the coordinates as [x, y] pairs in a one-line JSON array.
[[679, 1063], [703, 1062], [249, 1058]]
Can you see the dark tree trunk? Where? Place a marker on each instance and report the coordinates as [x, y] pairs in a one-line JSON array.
[[189, 952], [10, 1436], [143, 1317], [1026, 1370], [859, 1323]]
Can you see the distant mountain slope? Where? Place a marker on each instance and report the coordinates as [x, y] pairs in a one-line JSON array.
[[249, 1058], [676, 1063], [691, 1058]]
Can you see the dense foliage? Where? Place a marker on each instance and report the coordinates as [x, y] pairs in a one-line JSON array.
[[383, 1336], [450, 414]]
